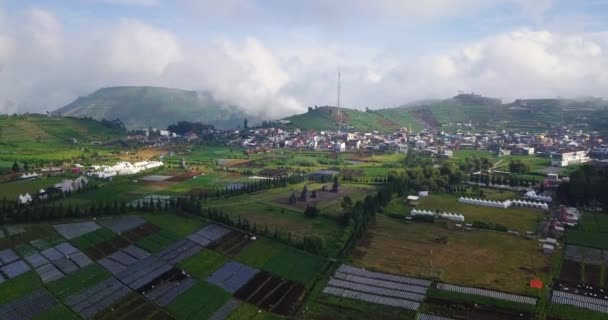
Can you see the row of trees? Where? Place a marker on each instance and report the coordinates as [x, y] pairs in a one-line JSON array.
[[587, 187], [250, 187], [512, 181]]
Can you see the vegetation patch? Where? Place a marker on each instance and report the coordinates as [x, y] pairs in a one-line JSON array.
[[203, 264], [78, 281], [199, 302], [18, 287]]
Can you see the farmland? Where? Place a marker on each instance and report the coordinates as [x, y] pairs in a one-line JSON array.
[[503, 262], [228, 238]]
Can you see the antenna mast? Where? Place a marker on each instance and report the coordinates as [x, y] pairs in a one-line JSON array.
[[338, 103]]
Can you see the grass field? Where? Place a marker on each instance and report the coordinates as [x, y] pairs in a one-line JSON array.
[[284, 261], [11, 190], [501, 261], [203, 264], [199, 302], [78, 281], [521, 219]]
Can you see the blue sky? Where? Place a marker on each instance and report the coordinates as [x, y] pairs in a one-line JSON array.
[[278, 57]]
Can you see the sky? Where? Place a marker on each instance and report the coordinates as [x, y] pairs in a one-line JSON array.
[[277, 57]]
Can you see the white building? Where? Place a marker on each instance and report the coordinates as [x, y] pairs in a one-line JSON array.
[[568, 158]]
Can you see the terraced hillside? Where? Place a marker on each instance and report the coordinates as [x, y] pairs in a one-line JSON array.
[[38, 134], [142, 107]]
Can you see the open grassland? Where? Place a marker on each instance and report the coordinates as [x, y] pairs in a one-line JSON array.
[[522, 219], [199, 302], [502, 163], [490, 260], [203, 264], [284, 261], [11, 190]]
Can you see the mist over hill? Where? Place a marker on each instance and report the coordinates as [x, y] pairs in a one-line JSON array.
[[142, 107]]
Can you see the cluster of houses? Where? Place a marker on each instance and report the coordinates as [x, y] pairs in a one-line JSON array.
[[561, 146], [122, 168], [504, 204], [443, 215]]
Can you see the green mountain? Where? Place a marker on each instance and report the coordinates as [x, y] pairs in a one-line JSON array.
[[532, 115], [143, 107]]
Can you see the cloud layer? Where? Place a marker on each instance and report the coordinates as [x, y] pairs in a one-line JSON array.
[[43, 65]]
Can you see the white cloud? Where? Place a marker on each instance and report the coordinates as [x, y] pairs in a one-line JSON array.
[[140, 49], [55, 65]]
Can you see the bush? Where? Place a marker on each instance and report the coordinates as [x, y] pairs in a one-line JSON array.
[[311, 211]]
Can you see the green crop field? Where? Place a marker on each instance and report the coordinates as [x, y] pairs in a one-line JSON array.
[[287, 262], [78, 281], [156, 242], [179, 225], [199, 302], [203, 264], [347, 309], [593, 222], [92, 238], [59, 312], [479, 300], [19, 286], [565, 312], [587, 239]]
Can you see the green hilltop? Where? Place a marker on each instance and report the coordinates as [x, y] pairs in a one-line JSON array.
[[143, 107], [481, 112], [332, 118]]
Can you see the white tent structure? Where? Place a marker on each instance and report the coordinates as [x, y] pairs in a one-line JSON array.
[[531, 195], [443, 215], [504, 204], [23, 199]]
